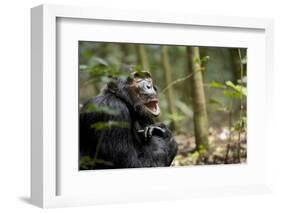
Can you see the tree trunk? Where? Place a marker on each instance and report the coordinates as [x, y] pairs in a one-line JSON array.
[[168, 80], [142, 57], [235, 63], [126, 52], [198, 98]]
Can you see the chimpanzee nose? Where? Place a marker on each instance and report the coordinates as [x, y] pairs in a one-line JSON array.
[[147, 88]]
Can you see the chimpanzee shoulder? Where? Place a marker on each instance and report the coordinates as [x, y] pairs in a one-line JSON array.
[[115, 110], [112, 103]]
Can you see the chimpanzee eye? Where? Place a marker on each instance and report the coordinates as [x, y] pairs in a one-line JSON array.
[[147, 75], [136, 75], [155, 88]]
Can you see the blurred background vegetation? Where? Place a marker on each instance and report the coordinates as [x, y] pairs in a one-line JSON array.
[[202, 93]]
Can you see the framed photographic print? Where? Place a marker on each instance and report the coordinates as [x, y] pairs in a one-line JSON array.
[[130, 106]]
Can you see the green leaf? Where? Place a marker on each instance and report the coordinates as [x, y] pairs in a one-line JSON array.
[[110, 124], [215, 84], [214, 101], [231, 94], [86, 162], [222, 109], [202, 150], [205, 58], [244, 90], [197, 60], [102, 109], [83, 67], [230, 84], [137, 68], [239, 89]]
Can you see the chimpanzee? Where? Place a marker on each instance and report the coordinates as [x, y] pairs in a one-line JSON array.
[[117, 128]]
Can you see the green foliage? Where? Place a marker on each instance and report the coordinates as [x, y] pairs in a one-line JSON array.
[[205, 59], [202, 150], [197, 61], [102, 109], [180, 159], [214, 102], [231, 92], [87, 162], [138, 68], [100, 70], [110, 124], [217, 85], [240, 125], [193, 157], [201, 61], [229, 89], [140, 73], [241, 90]]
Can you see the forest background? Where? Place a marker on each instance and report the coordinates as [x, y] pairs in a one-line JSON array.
[[202, 93]]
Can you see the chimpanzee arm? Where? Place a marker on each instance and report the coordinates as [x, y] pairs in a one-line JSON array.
[[172, 145], [117, 147], [124, 150], [161, 146]]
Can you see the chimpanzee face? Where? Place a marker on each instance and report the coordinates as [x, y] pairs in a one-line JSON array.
[[142, 84]]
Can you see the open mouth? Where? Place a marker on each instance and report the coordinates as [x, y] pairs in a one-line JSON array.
[[153, 107]]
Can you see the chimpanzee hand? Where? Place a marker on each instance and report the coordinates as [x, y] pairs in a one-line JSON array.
[[159, 130], [167, 132], [150, 131]]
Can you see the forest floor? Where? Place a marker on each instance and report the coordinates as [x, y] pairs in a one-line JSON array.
[[224, 148]]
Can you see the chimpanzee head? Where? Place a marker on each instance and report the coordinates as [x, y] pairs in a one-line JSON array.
[[138, 91], [143, 92]]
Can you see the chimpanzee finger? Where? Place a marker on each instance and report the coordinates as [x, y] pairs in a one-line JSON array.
[[150, 131], [146, 132], [155, 131]]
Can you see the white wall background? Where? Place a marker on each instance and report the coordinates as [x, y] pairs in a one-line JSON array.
[[15, 105]]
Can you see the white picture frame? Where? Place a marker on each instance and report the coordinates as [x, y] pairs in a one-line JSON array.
[[47, 165]]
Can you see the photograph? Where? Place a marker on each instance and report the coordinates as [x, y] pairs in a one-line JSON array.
[[161, 105]]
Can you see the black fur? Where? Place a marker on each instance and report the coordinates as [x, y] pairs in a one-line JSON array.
[[121, 145]]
